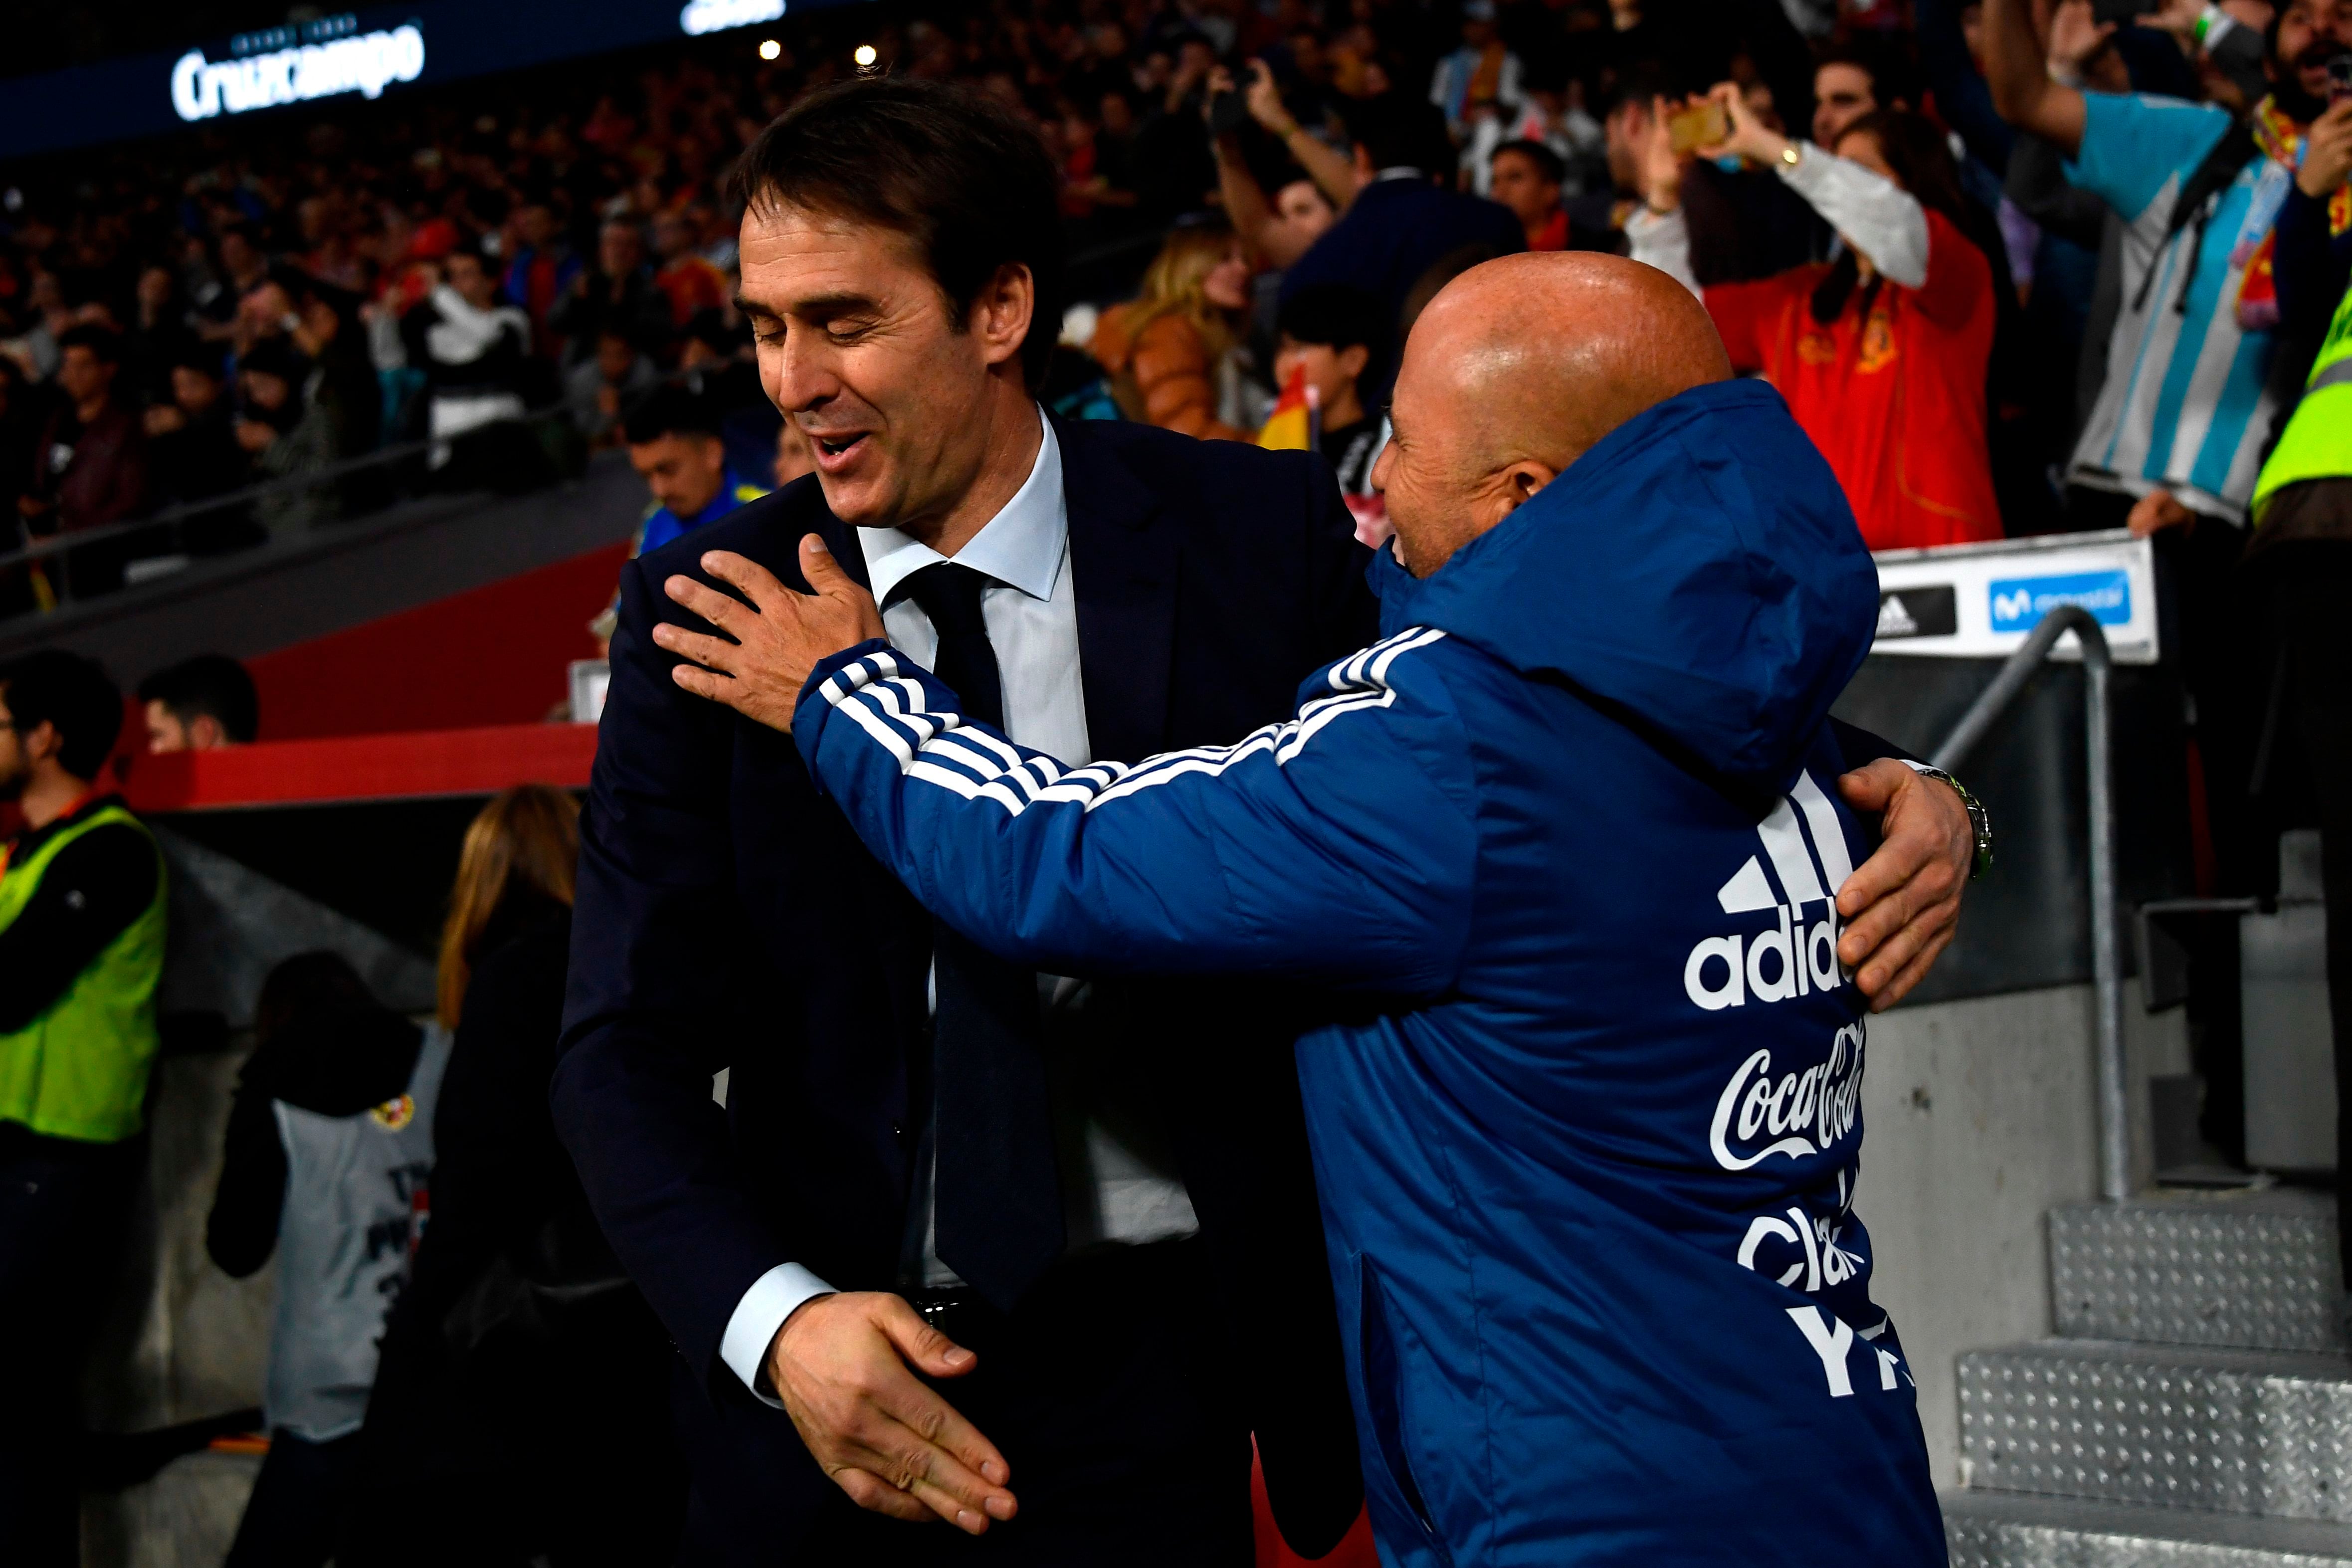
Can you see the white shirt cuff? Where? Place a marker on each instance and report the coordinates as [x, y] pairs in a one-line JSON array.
[[774, 1296]]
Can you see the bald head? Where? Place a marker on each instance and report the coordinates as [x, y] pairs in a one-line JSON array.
[[1515, 370]]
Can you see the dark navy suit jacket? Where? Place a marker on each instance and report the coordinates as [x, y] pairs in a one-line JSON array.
[[727, 917]]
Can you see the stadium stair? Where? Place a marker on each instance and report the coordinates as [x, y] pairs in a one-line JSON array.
[[2195, 1410]]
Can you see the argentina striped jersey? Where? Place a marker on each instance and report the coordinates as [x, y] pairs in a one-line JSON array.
[[2184, 404]]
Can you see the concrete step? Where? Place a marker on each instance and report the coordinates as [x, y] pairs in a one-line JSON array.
[[2256, 1270], [183, 1517], [2250, 1432], [1998, 1529]]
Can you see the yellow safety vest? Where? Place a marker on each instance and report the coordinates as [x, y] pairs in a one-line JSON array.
[[2317, 441], [79, 1070]]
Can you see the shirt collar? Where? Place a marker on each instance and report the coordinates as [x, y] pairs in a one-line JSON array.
[[1397, 172], [1021, 546]]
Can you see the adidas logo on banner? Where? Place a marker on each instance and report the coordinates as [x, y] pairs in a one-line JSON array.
[[1794, 959]]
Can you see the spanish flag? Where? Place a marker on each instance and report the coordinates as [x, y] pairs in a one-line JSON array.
[[1291, 427]]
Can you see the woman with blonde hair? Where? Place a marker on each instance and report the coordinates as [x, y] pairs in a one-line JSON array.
[[1171, 350], [521, 1409]]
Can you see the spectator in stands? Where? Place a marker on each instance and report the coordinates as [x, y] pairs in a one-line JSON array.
[[600, 387], [471, 349], [1854, 79], [192, 452], [690, 283], [1327, 331], [289, 432], [1881, 354], [200, 704], [618, 295], [82, 954], [90, 468], [1278, 230], [795, 456], [1526, 178], [1403, 236], [541, 272], [244, 267], [1480, 76], [675, 444], [327, 1163], [21, 422], [2171, 447], [2197, 194], [1171, 350], [521, 1409]]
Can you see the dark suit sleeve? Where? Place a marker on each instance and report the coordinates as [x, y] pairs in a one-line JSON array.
[[1862, 748], [1344, 614], [646, 1008]]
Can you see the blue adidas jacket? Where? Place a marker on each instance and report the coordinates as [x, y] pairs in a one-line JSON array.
[[1587, 1122]]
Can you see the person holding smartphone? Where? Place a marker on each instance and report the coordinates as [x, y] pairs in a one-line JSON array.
[[1880, 353]]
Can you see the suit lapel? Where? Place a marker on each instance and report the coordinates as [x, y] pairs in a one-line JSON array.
[[1124, 551]]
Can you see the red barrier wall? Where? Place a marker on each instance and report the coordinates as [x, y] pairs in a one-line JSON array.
[[495, 654]]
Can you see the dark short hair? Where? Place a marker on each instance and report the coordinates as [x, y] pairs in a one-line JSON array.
[[1893, 78], [669, 409], [103, 341], [54, 687], [278, 357], [1547, 162], [193, 354], [211, 684], [963, 178], [1332, 315], [1398, 130], [1641, 82]]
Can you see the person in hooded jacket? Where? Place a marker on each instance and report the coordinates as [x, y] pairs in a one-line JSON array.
[[1562, 846], [325, 1164]]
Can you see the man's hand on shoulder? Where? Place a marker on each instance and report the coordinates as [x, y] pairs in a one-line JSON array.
[[1901, 906], [768, 647], [840, 1363]]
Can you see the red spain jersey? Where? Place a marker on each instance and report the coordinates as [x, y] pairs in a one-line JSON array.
[[1893, 392]]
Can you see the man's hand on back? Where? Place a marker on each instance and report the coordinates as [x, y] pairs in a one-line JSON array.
[[1903, 904], [840, 1365], [777, 639]]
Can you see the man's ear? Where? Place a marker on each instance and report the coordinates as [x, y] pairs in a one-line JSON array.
[[1523, 478], [206, 732], [42, 741], [1352, 359], [1002, 314]]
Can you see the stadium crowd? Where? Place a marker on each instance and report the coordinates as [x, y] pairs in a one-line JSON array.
[[2015, 270], [246, 306]]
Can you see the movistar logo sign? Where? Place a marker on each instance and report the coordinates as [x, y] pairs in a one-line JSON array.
[[2020, 602], [364, 63]]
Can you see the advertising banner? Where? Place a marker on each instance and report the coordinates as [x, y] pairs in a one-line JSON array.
[[360, 54], [1981, 601]]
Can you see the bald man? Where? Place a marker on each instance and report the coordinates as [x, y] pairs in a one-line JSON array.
[[1559, 849]]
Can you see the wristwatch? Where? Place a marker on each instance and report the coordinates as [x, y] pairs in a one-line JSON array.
[[1979, 819]]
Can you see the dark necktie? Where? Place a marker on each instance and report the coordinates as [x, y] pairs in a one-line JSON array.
[[997, 1204]]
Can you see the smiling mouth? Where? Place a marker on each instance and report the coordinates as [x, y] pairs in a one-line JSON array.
[[833, 449]]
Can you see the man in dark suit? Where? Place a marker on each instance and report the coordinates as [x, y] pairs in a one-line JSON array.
[[1083, 1214]]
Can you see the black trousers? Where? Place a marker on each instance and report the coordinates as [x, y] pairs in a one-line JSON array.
[[2298, 593], [1105, 1392], [64, 1206], [290, 1518]]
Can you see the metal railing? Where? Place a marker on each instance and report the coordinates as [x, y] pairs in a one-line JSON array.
[[166, 533], [2106, 962]]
